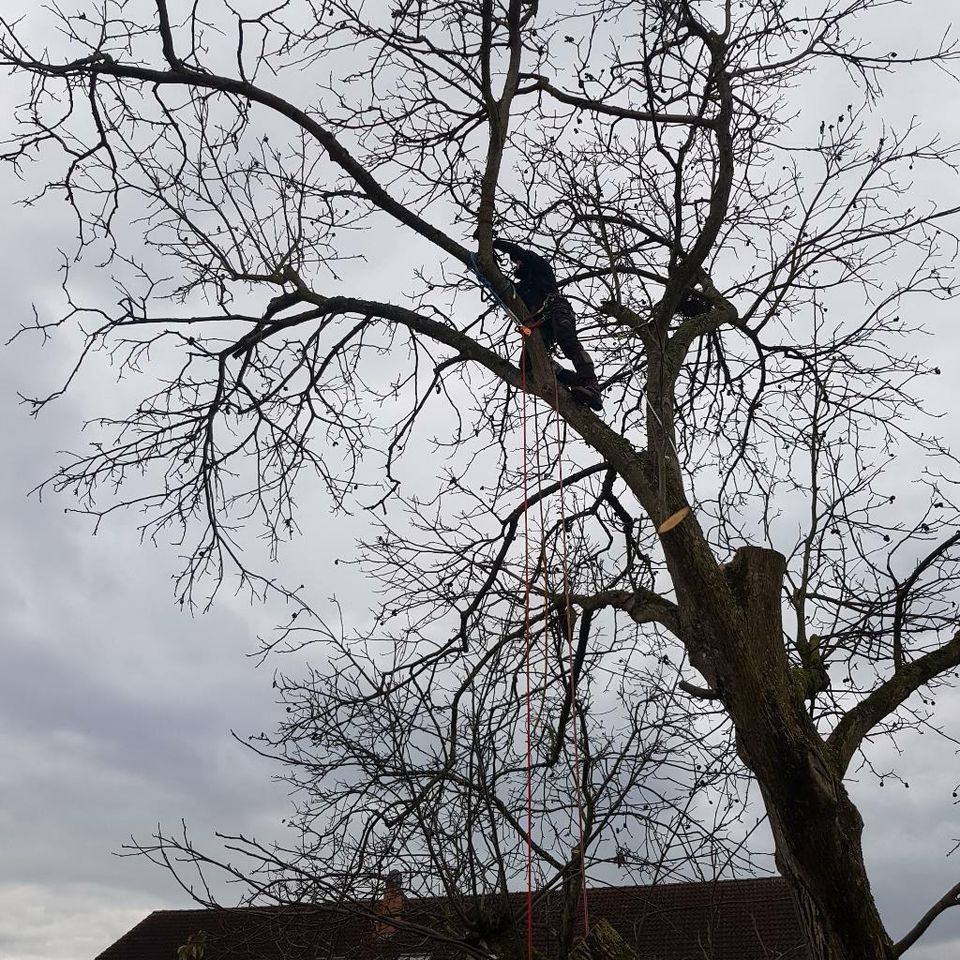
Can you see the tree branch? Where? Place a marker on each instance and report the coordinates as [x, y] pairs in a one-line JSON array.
[[903, 592], [616, 449], [861, 719], [541, 83], [166, 34], [103, 65], [643, 606], [950, 899], [693, 261], [700, 693]]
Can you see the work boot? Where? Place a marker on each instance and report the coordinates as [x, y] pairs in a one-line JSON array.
[[582, 388], [588, 394]]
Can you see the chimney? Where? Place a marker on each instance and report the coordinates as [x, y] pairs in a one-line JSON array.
[[391, 905]]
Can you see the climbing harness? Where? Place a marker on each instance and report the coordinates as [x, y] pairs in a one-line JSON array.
[[535, 319]]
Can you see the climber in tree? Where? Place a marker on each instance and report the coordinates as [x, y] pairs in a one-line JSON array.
[[552, 314]]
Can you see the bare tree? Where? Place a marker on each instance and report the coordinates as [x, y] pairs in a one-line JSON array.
[[431, 774], [650, 151]]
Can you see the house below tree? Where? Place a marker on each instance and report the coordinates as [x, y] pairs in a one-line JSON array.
[[752, 919]]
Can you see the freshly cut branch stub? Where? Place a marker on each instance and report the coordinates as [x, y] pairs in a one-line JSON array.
[[673, 520]]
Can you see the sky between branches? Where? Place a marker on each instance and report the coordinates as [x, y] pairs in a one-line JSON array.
[[116, 708]]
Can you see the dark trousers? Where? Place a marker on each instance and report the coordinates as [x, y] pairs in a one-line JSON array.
[[558, 325]]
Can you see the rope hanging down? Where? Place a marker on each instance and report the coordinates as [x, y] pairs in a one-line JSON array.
[[526, 659], [526, 329], [568, 633], [667, 524]]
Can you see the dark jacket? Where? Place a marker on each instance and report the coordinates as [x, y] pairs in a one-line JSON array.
[[535, 280]]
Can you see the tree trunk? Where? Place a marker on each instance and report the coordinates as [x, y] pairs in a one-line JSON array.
[[818, 853], [816, 827]]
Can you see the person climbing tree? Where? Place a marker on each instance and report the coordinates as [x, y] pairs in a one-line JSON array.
[[552, 314], [762, 621]]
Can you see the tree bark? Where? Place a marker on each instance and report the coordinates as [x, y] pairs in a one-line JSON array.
[[816, 828], [818, 851]]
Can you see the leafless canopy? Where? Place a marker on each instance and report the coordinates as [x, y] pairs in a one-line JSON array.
[[288, 197]]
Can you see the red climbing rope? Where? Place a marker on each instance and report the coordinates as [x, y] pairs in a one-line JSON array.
[[571, 664], [526, 652]]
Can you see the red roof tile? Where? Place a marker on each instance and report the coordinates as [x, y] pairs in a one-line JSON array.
[[728, 920]]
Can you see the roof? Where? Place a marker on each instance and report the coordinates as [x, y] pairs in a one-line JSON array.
[[753, 919]]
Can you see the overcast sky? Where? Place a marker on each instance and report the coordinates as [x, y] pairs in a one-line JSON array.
[[116, 708]]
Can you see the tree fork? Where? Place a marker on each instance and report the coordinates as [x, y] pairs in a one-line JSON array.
[[731, 622]]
